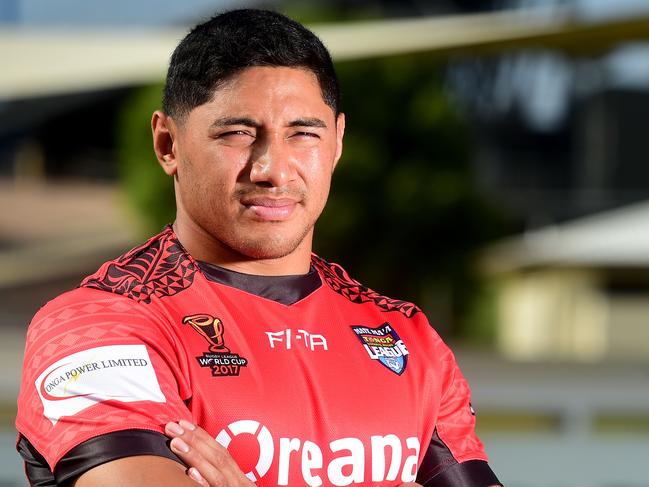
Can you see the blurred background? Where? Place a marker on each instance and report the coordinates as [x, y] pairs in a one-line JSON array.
[[495, 171]]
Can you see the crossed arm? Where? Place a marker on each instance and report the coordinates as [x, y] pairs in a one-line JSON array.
[[210, 465]]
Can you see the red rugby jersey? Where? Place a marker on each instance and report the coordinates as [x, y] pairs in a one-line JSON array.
[[307, 380]]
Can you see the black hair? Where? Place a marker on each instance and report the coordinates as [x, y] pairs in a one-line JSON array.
[[226, 44]]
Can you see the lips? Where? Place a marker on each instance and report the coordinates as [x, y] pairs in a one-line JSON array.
[[270, 209]]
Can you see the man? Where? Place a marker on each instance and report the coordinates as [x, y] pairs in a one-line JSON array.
[[226, 320]]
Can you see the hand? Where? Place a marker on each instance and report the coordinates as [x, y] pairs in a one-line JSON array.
[[209, 463]]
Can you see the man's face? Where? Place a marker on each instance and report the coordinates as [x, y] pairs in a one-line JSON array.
[[254, 164]]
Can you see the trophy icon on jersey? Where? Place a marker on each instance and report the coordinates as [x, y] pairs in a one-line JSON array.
[[210, 328], [219, 358]]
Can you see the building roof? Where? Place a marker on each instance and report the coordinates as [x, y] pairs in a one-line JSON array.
[[615, 238]]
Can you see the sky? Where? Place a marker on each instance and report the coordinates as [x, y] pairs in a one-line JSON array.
[[610, 8], [113, 12], [168, 12]]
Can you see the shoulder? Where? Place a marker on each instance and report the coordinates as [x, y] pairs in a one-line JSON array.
[[79, 307], [84, 318], [340, 281], [158, 268], [113, 302]]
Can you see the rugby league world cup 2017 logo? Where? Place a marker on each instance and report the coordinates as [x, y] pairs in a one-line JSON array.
[[219, 358]]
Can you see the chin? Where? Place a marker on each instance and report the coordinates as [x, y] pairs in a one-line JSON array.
[[267, 247]]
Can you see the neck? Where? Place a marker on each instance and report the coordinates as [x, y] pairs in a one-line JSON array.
[[203, 246]]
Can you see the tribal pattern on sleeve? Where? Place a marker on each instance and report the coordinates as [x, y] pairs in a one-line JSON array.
[[160, 268], [337, 279]]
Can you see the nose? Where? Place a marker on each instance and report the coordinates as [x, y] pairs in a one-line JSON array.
[[271, 164]]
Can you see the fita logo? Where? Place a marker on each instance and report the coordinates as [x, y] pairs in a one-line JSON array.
[[219, 358], [384, 345]]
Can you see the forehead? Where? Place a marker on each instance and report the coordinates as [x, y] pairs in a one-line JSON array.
[[264, 87]]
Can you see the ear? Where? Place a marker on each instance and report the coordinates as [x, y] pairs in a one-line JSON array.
[[164, 135], [340, 132]]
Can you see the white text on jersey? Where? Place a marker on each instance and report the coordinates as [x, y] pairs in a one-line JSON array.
[[287, 339], [346, 469]]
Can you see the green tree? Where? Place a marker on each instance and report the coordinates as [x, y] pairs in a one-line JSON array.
[[149, 191], [404, 212]]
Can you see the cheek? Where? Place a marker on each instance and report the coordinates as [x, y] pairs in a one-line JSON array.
[[317, 164], [218, 169], [237, 155], [318, 183]]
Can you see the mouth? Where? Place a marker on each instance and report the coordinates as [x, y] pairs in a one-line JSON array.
[[269, 209]]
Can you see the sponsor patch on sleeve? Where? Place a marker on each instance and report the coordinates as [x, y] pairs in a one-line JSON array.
[[116, 372]]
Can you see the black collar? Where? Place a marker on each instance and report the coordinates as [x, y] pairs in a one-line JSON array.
[[282, 289]]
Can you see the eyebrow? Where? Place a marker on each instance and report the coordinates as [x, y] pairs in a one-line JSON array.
[[308, 122], [227, 121], [249, 122]]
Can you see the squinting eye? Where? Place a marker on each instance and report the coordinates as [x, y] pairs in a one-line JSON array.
[[236, 138], [308, 134], [235, 132]]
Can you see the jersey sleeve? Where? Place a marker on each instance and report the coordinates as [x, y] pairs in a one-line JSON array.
[[97, 364], [455, 455]]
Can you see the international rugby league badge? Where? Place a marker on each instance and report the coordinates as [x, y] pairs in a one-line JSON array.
[[384, 345]]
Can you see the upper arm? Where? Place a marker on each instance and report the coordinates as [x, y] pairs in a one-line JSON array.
[[96, 365], [455, 455], [136, 471]]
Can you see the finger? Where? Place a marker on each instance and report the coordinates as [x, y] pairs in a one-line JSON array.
[[200, 467], [195, 435], [196, 476], [199, 439], [200, 450]]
